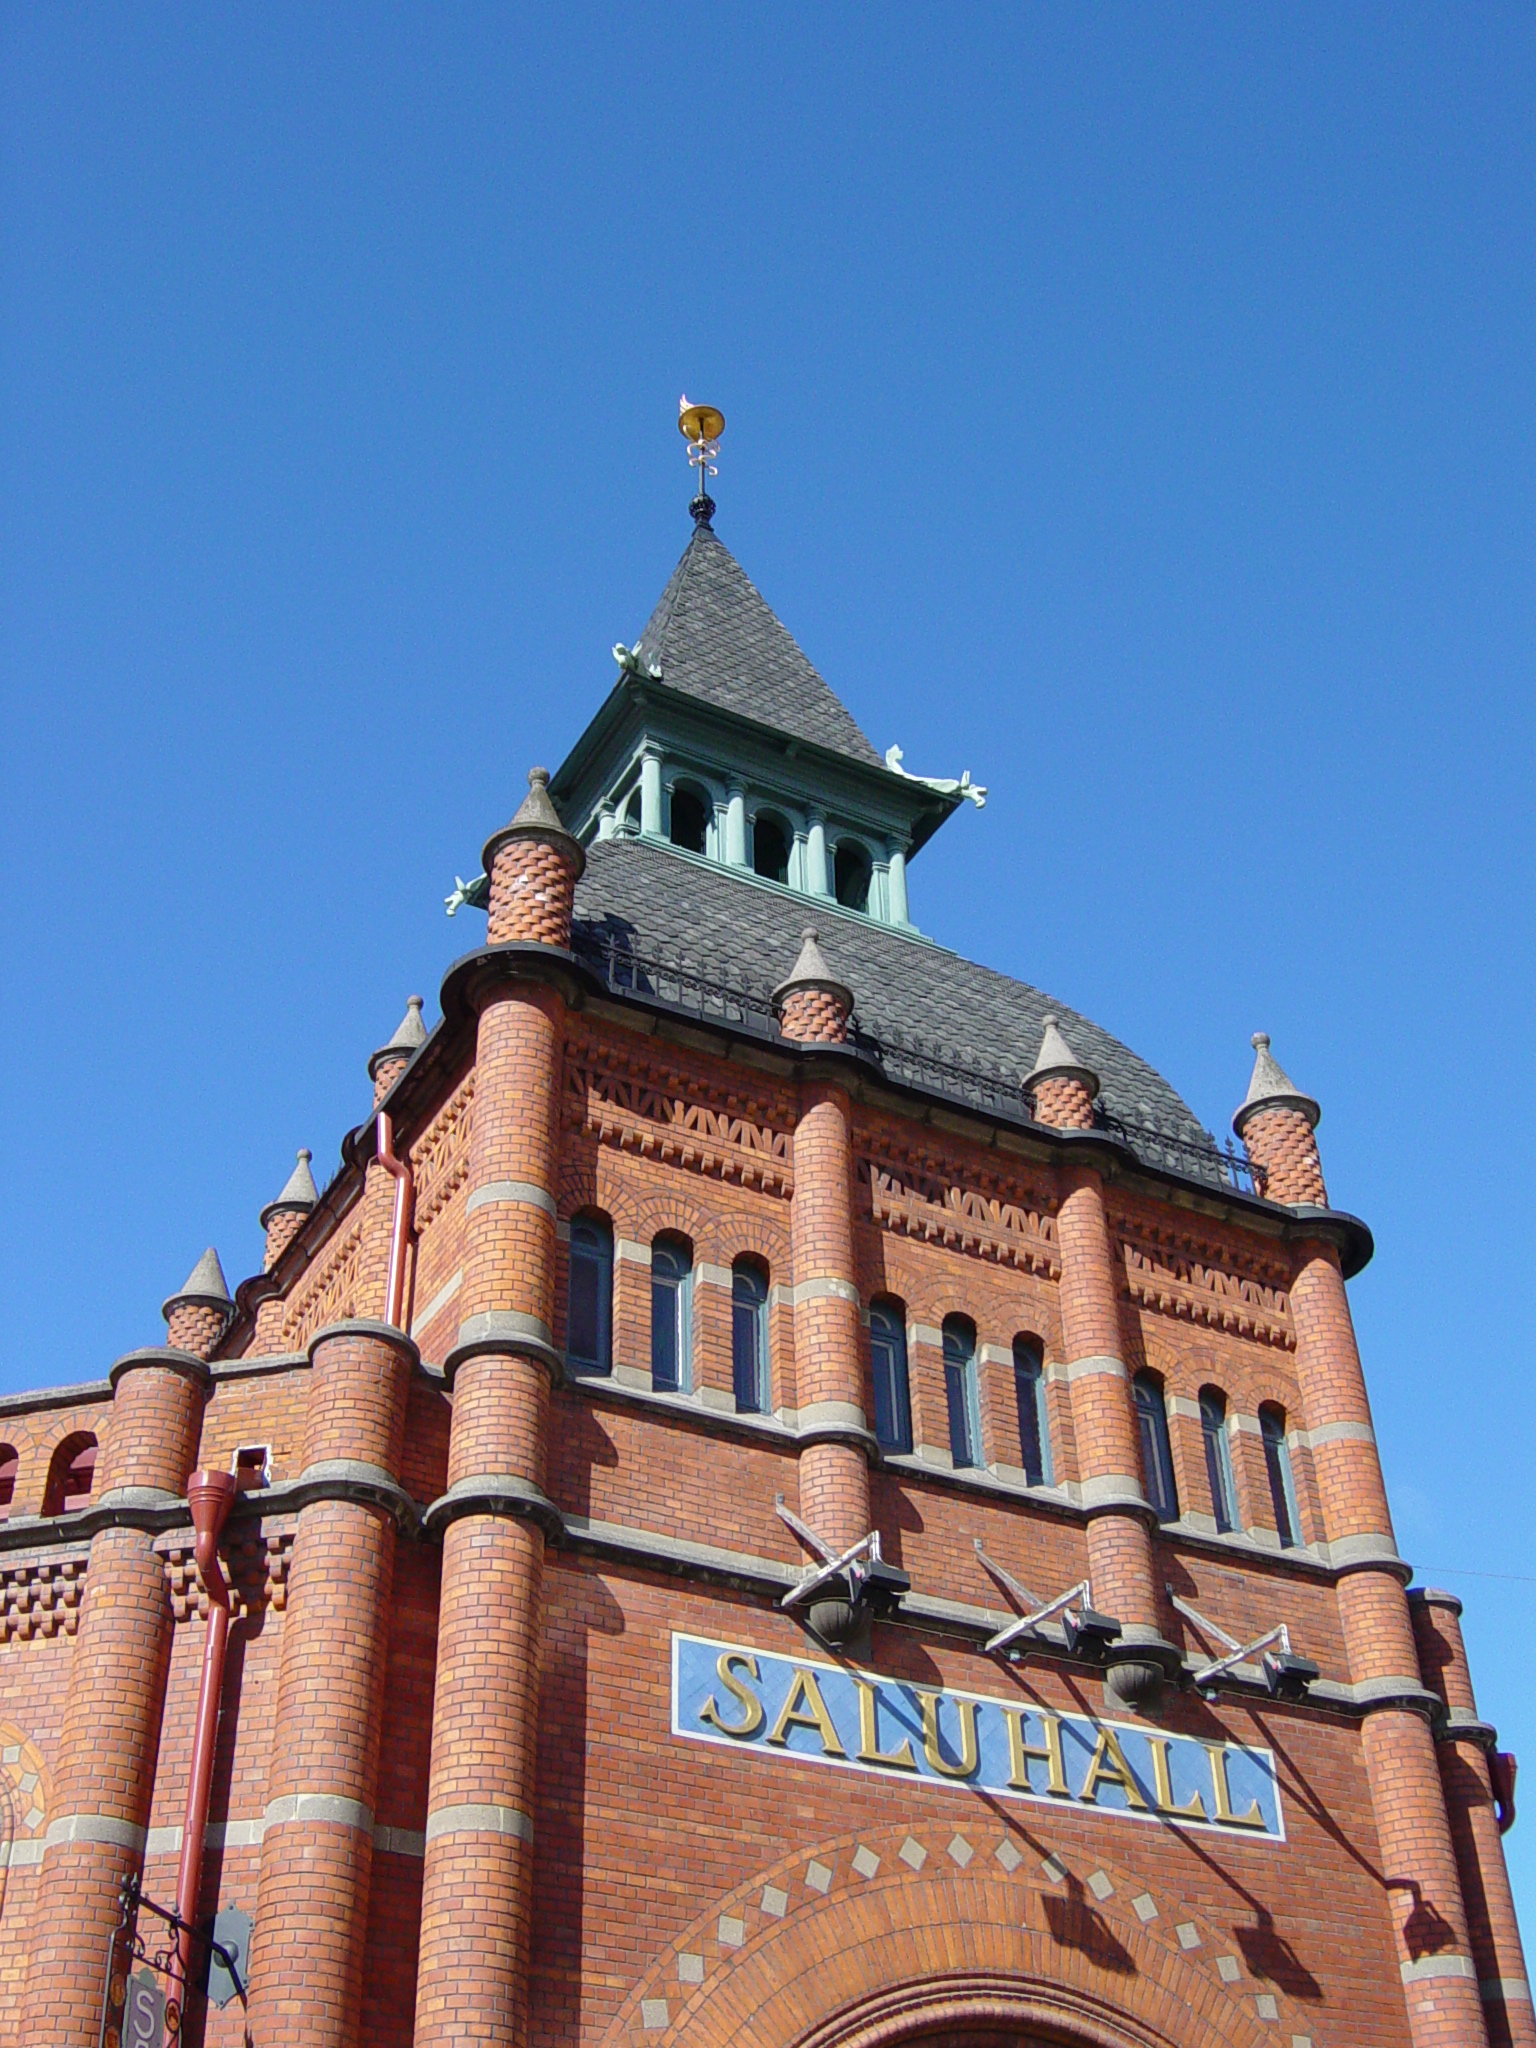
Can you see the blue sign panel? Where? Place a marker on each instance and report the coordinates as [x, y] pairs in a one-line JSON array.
[[796, 1709]]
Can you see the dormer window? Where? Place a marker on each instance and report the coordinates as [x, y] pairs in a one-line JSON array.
[[690, 820], [851, 872], [771, 840]]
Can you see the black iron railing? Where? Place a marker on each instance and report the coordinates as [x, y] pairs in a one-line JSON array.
[[697, 988]]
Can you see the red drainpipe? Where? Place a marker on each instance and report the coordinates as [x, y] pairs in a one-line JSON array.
[[405, 1209], [209, 1495]]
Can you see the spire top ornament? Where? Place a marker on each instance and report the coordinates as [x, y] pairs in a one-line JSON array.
[[701, 427]]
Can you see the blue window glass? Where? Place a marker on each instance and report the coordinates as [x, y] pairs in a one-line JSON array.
[[888, 1351], [589, 1304], [1218, 1458], [1034, 1428], [1282, 1488], [960, 1390], [1156, 1455], [671, 1315], [749, 1337]]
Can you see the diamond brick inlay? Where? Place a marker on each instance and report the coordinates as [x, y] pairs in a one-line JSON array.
[[1229, 1969], [653, 2014], [865, 1861], [1144, 1907], [1188, 1933], [819, 1878], [913, 1853], [732, 1932], [1008, 1855], [1054, 1871], [775, 1902], [690, 1969], [961, 1850], [1268, 2010], [1100, 1885]]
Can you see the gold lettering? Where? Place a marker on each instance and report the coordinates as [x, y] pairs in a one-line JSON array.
[[813, 1714], [1049, 1753], [748, 1701], [1108, 1765], [1162, 1782], [1253, 1818], [870, 1752], [968, 1750]]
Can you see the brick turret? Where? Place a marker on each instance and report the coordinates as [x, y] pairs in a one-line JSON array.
[[534, 865], [1278, 1125], [1061, 1088], [811, 1005], [105, 1776], [282, 1219], [390, 1061]]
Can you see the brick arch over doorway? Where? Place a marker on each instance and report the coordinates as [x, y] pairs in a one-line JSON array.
[[953, 1938]]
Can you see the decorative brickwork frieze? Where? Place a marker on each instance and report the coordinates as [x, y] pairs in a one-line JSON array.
[[919, 1194], [255, 1565], [440, 1156], [668, 1113], [1176, 1272], [328, 1292], [41, 1597]]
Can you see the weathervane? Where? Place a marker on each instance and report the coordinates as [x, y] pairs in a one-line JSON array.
[[701, 427]]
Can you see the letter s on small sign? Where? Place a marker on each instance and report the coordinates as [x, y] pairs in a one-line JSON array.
[[749, 1702]]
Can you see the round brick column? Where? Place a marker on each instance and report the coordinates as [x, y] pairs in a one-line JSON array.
[[317, 1850], [1462, 1747], [1122, 1567], [110, 1746], [477, 1884]]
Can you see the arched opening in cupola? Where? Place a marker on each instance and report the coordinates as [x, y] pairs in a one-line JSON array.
[[851, 874], [771, 838], [690, 819]]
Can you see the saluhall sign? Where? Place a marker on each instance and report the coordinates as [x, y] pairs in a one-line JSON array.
[[807, 1712]]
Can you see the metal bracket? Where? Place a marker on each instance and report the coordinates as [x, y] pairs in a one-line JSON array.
[[1028, 1624], [1237, 1653], [860, 1562]]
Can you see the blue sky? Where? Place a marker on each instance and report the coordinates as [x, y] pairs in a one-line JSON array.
[[1132, 405]]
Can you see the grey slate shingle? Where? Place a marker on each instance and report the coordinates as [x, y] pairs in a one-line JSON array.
[[663, 902], [715, 637]]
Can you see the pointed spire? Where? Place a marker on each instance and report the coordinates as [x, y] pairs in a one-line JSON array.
[[811, 1002], [299, 1191], [410, 1033], [1272, 1088], [1057, 1060], [205, 1287], [537, 807]]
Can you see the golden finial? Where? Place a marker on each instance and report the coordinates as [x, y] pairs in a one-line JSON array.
[[701, 427]]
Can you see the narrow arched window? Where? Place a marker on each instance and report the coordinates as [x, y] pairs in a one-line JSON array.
[[851, 873], [770, 847], [1218, 1458], [1282, 1487], [71, 1475], [888, 1352], [1029, 1393], [672, 1315], [690, 820], [589, 1306], [749, 1337], [1156, 1455], [960, 1390], [631, 818], [9, 1465]]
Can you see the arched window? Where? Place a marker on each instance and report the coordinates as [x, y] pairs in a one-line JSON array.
[[1156, 1456], [1029, 1392], [850, 874], [672, 1315], [589, 1304], [888, 1350], [9, 1462], [690, 820], [631, 818], [960, 1390], [749, 1337], [1218, 1458], [1282, 1488], [771, 840], [71, 1475]]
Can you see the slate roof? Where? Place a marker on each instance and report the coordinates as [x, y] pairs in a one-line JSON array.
[[716, 638], [643, 894]]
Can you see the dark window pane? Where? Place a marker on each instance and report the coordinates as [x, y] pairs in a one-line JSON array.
[[1034, 1434], [893, 1411], [665, 1347], [961, 1449], [770, 849], [749, 1340], [690, 821], [1277, 1458], [850, 875], [1156, 1454], [1218, 1461]]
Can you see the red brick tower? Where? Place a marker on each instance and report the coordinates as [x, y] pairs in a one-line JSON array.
[[814, 1009], [472, 1983], [111, 1741], [1278, 1125]]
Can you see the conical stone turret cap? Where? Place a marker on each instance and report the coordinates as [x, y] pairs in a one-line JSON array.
[[1272, 1088], [205, 1287], [811, 971], [410, 1033], [299, 1191], [536, 818], [1057, 1060]]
